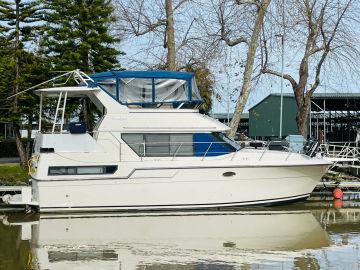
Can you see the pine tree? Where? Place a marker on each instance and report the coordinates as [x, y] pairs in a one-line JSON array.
[[20, 23], [78, 35]]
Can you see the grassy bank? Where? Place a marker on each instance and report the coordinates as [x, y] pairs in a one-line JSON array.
[[12, 174]]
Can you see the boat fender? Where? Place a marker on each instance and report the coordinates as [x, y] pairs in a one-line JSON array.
[[32, 164], [337, 193]]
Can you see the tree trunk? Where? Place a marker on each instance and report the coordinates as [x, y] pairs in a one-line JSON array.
[[302, 116], [87, 113], [28, 143], [170, 36], [16, 53], [20, 146], [246, 87]]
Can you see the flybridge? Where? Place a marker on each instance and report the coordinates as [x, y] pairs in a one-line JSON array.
[[142, 88], [150, 88]]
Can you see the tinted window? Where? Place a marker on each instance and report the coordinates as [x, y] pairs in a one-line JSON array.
[[81, 170], [162, 144]]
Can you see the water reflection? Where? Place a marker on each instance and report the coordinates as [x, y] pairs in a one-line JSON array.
[[260, 239]]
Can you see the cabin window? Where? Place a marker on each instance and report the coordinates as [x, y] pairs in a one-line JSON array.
[[169, 90], [82, 170], [164, 145], [109, 85], [136, 90]]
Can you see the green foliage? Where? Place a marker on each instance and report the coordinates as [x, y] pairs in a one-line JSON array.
[[77, 35], [23, 27], [205, 83], [34, 69], [12, 174], [19, 33]]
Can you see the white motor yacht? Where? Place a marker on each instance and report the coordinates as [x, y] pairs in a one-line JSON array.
[[152, 150]]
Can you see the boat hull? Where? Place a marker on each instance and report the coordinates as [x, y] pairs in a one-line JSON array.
[[179, 188]]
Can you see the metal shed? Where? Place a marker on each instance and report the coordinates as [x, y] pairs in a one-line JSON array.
[[264, 117]]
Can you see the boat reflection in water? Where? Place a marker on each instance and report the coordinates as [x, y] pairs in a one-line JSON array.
[[170, 240]]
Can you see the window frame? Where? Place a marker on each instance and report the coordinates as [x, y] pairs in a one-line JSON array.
[[216, 135], [105, 169]]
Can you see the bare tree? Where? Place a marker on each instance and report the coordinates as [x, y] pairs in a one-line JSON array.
[[230, 23], [249, 66], [320, 29], [166, 25]]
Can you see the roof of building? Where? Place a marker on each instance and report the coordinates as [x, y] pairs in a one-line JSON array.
[[225, 115], [333, 101], [286, 95]]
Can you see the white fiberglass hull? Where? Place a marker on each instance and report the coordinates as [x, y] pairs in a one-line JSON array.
[[179, 188]]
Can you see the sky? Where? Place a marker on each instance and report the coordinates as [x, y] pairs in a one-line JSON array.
[[228, 73]]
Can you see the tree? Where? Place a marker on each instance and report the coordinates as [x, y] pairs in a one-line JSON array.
[[78, 37], [19, 26], [229, 24], [205, 83], [170, 35], [156, 21], [249, 66], [322, 30], [167, 33], [136, 18]]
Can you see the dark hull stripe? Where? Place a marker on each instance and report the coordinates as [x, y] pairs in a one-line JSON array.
[[276, 201]]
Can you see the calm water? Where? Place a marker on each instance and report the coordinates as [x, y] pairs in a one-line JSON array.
[[312, 235]]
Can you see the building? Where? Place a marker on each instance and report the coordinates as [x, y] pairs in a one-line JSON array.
[[6, 131], [264, 117], [334, 117]]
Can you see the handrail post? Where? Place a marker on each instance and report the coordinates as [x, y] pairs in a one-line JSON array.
[[207, 150], [233, 156], [177, 150], [266, 147], [144, 153]]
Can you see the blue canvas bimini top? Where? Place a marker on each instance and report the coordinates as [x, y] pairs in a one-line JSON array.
[[149, 87], [164, 74]]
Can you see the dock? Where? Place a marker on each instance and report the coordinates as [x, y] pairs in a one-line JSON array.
[[9, 190]]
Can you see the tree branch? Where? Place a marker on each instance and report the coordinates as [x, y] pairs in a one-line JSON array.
[[288, 77], [149, 28], [224, 34], [233, 42]]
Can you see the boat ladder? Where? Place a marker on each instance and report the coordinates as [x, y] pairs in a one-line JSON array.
[[60, 109]]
